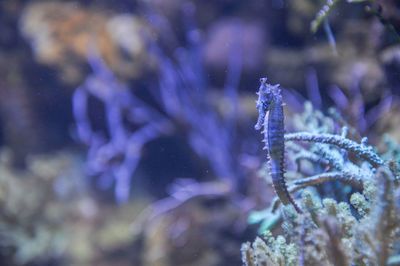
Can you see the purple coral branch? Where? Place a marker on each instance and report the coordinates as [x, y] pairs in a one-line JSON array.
[[79, 103], [178, 196], [117, 142], [379, 110], [183, 95], [114, 153], [361, 150], [313, 88], [338, 97]]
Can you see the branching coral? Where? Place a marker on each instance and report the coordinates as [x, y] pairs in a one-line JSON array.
[[321, 18], [322, 15], [329, 156], [181, 103], [121, 107], [328, 233], [358, 230]]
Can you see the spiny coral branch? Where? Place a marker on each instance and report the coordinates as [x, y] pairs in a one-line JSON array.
[[385, 215], [323, 14], [325, 177], [360, 150]]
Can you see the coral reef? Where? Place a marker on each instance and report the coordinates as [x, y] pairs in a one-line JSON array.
[[126, 132], [48, 217], [195, 232], [183, 96], [329, 234], [359, 228]]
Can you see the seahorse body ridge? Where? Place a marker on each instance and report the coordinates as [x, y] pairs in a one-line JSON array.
[[271, 116]]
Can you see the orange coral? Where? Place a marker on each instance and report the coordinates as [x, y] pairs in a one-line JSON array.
[[61, 34]]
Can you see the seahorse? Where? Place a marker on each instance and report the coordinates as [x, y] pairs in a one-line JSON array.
[[271, 116]]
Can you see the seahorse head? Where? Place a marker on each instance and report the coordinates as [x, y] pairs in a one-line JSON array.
[[267, 96]]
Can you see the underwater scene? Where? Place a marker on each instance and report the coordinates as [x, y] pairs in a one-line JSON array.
[[205, 133]]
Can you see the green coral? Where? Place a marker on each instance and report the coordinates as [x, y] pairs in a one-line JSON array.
[[329, 234], [361, 229], [270, 251]]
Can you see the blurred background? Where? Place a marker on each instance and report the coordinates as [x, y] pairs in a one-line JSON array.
[[127, 127]]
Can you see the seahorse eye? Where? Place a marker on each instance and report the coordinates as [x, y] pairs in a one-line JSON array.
[[268, 99]]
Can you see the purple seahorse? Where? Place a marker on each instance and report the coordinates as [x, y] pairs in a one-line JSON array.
[[270, 110]]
